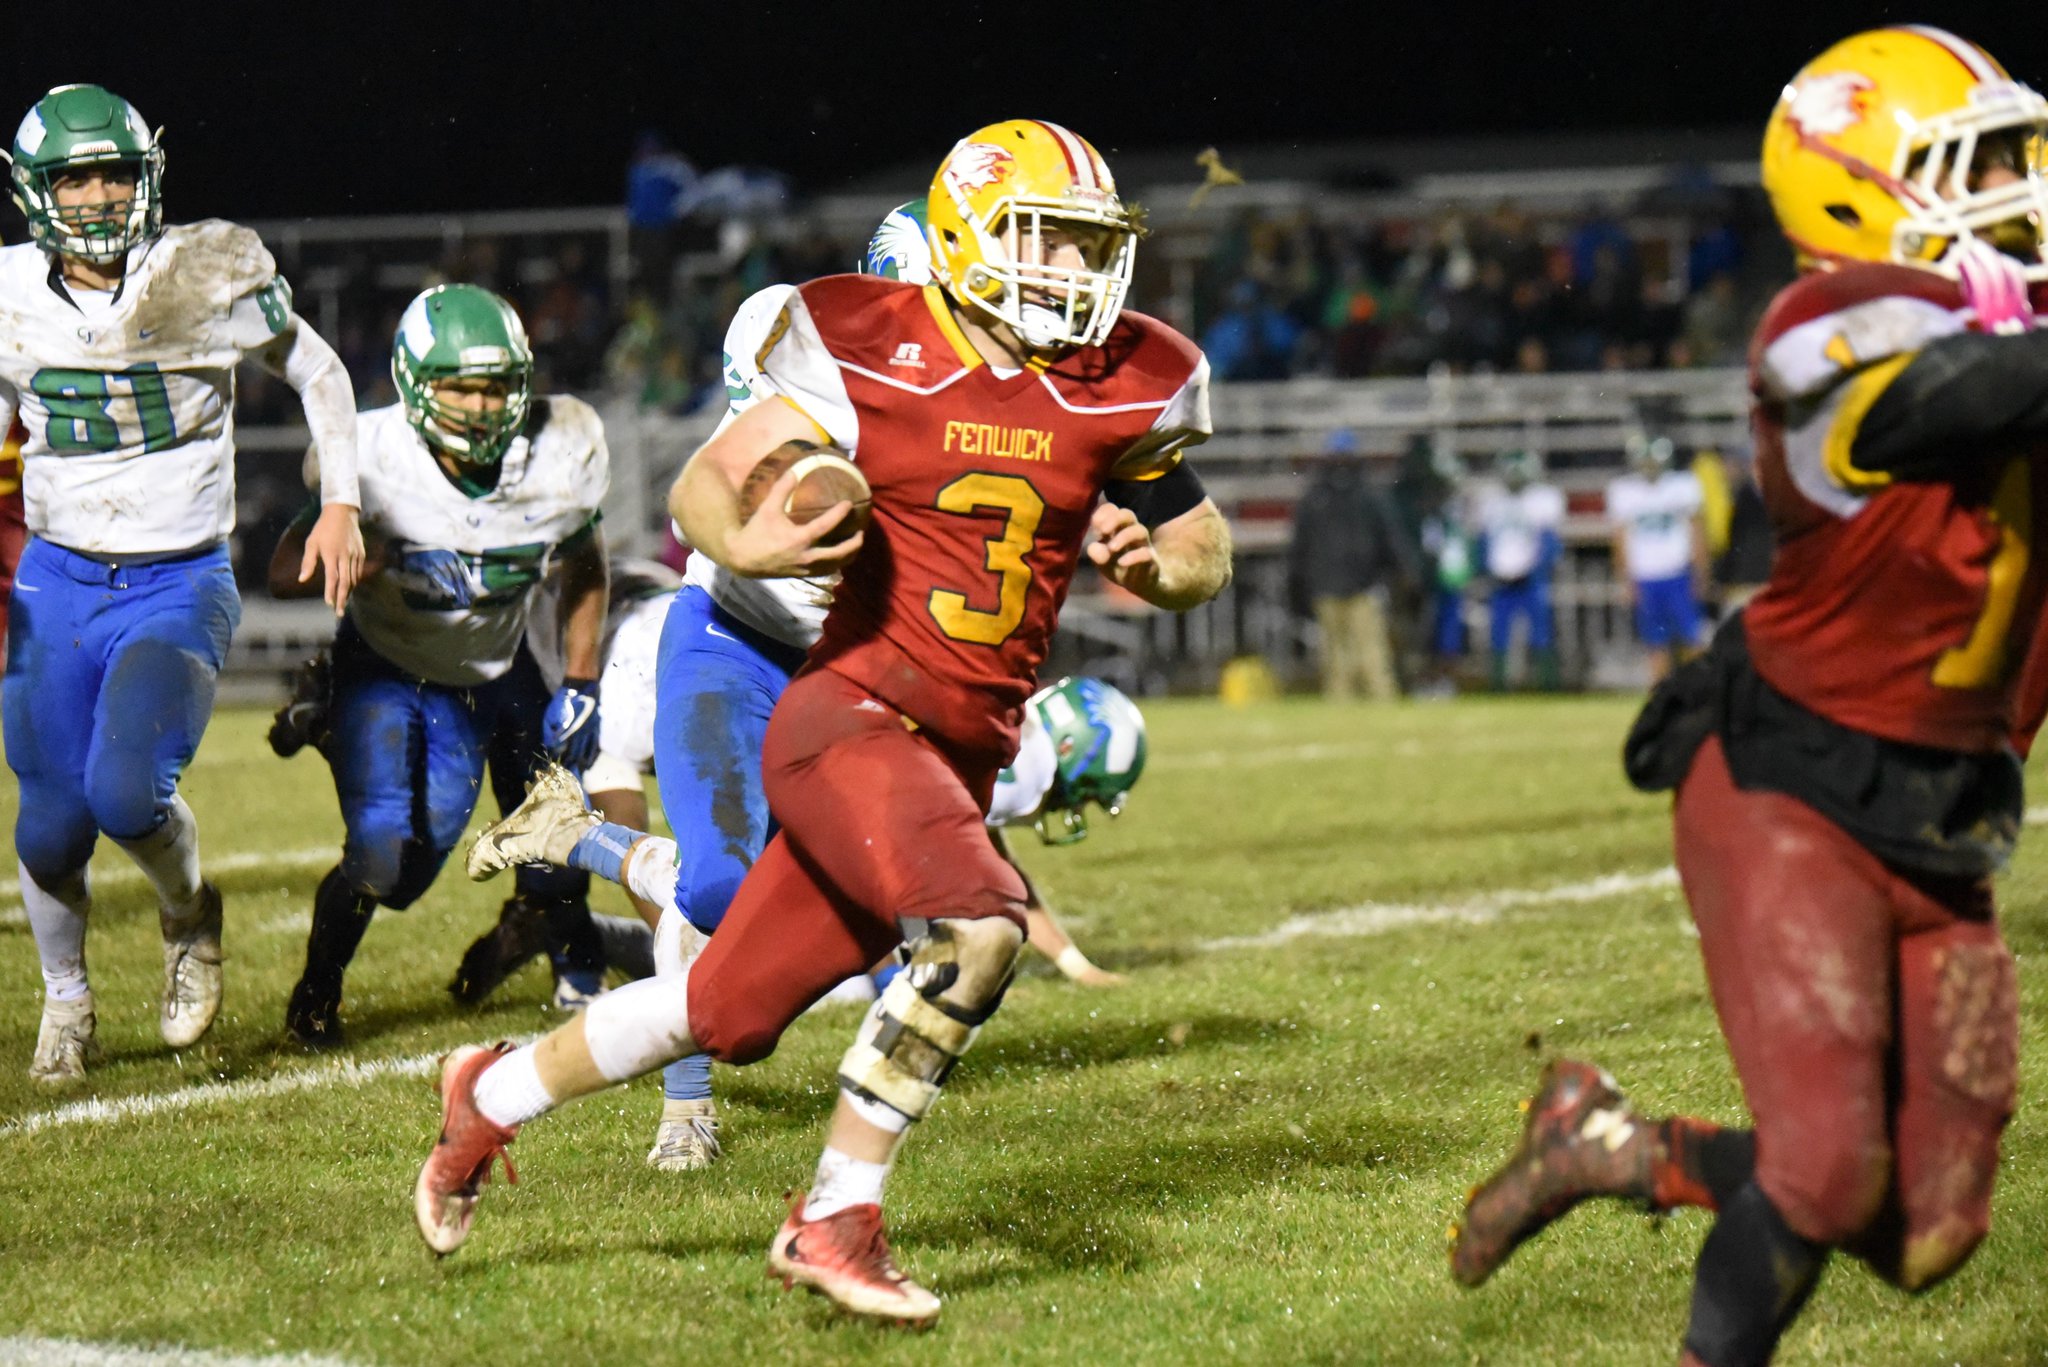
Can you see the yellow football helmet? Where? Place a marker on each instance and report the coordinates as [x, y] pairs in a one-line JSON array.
[[994, 197], [1870, 150]]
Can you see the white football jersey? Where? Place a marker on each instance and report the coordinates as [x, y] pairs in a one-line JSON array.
[[1513, 523], [550, 483], [1023, 786], [128, 396], [1655, 517], [789, 610]]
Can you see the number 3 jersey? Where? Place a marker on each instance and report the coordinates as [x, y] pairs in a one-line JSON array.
[[983, 485], [1903, 595], [128, 396], [505, 538]]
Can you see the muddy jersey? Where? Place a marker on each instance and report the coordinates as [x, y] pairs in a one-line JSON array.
[[983, 484], [455, 615], [1899, 603], [791, 610], [128, 396]]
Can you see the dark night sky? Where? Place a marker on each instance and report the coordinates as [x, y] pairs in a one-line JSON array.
[[375, 108]]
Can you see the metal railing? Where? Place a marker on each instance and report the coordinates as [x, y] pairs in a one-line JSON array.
[[1268, 438]]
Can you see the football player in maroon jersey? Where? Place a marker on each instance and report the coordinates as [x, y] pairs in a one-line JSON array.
[[1844, 784], [987, 412]]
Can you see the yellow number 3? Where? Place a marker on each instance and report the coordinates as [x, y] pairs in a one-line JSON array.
[[1014, 497], [1980, 661]]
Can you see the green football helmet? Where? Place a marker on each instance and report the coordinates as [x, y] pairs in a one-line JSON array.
[[85, 125], [899, 250], [1518, 468], [454, 332], [1098, 739]]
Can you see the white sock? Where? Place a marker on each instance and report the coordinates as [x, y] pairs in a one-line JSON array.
[[510, 1090], [57, 918], [844, 1181], [169, 857], [651, 870]]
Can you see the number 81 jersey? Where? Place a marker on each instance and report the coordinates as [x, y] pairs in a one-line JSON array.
[[983, 485], [1902, 601], [128, 400]]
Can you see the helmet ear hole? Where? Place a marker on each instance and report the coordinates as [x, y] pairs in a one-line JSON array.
[[1845, 215]]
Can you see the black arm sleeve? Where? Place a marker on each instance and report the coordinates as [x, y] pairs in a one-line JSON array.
[[1158, 501], [1968, 396]]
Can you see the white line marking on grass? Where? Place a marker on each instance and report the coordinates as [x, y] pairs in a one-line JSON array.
[[1377, 918], [242, 861], [96, 1111], [71, 1353]]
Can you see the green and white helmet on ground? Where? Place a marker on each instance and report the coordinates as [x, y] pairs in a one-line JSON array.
[[455, 332], [1098, 740], [899, 249], [85, 125]]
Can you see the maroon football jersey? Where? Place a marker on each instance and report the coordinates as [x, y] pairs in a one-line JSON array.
[[983, 485], [1898, 607]]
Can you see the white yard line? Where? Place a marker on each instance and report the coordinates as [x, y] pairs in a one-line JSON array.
[[1377, 918], [32, 1352], [1363, 919], [122, 874]]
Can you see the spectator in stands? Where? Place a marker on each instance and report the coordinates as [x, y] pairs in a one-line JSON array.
[[1520, 521], [656, 183], [1660, 549], [1348, 553], [1253, 340], [1716, 327]]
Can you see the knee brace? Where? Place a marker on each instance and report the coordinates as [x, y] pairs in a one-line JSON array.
[[929, 1015]]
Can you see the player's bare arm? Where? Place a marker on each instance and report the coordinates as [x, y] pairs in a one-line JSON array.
[[1180, 564], [586, 580], [334, 544], [286, 562], [705, 502]]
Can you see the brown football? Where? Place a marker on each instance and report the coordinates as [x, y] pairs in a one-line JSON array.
[[824, 477]]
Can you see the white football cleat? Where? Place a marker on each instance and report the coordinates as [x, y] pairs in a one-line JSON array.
[[540, 830], [192, 973], [687, 1138], [66, 1042]]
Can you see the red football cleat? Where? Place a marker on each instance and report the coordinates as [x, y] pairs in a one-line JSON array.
[[844, 1257], [444, 1199], [1582, 1139]]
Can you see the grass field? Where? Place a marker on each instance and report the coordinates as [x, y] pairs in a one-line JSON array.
[[1353, 935]]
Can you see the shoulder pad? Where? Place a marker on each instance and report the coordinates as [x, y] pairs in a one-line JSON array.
[[569, 423], [1830, 324], [1141, 352], [236, 255]]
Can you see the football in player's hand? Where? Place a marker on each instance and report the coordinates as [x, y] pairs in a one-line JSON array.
[[824, 477]]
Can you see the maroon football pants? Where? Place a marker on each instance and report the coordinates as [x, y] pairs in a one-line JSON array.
[[1873, 1019], [879, 822]]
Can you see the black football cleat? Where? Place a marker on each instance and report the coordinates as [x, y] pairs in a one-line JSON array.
[[304, 718], [519, 938], [1582, 1138]]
